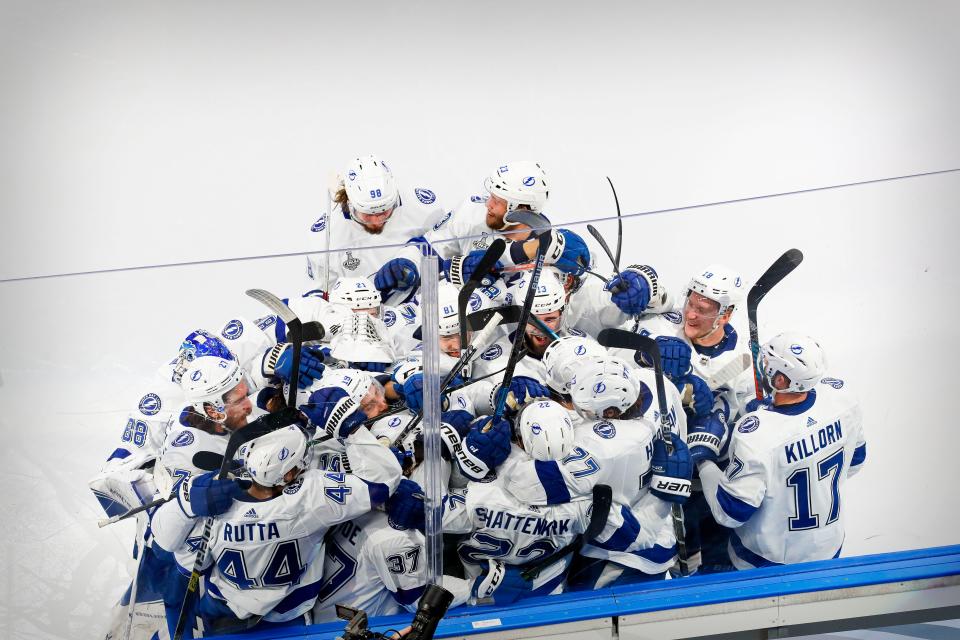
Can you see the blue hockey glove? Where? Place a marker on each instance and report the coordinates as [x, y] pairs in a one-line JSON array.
[[372, 367], [265, 395], [333, 410], [674, 356], [755, 404], [405, 508], [412, 392], [458, 419], [459, 269], [630, 292], [500, 585], [278, 362], [484, 450], [707, 437], [695, 395], [522, 390], [208, 496], [671, 473], [575, 258], [398, 273]]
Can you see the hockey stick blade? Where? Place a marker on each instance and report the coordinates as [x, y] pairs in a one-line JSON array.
[[729, 372], [536, 221], [313, 331], [480, 319], [779, 270], [274, 303]]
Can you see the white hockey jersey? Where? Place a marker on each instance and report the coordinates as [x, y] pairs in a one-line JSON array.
[[355, 252], [266, 555], [782, 491]]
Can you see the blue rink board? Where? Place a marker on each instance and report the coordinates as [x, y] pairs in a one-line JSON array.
[[695, 591]]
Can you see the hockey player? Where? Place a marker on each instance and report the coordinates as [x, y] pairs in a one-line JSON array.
[[789, 462], [265, 548], [370, 209]]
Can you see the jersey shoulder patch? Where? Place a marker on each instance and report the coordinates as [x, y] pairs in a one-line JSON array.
[[442, 220], [605, 430], [749, 424], [320, 224], [150, 404], [425, 195], [836, 383], [183, 439], [389, 318], [232, 330], [492, 353]]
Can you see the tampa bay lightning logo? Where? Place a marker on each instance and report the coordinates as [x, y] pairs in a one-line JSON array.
[[508, 299], [836, 383], [196, 375], [580, 350], [529, 181], [750, 423], [150, 404], [605, 430], [796, 349], [183, 439], [462, 402], [425, 195], [673, 316], [393, 422], [492, 353], [389, 318], [320, 224], [284, 454], [599, 388], [351, 175], [477, 199], [266, 321], [535, 428], [442, 220], [475, 301], [294, 486], [232, 330]]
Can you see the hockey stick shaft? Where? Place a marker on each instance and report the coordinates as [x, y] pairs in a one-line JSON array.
[[616, 201], [490, 257], [779, 270], [134, 511]]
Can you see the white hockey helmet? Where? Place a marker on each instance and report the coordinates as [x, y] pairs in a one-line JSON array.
[[796, 356], [545, 430], [370, 186], [603, 383], [519, 182], [718, 283], [563, 359], [550, 295], [207, 379], [448, 305], [270, 457], [356, 293]]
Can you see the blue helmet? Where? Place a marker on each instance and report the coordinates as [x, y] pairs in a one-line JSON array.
[[199, 343]]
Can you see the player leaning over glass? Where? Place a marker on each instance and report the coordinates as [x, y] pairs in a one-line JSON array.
[[789, 460]]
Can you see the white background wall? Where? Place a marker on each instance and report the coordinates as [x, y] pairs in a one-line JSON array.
[[137, 134]]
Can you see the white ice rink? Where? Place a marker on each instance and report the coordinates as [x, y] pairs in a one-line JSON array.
[[137, 135]]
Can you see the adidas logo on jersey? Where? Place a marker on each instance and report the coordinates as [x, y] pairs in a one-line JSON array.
[[250, 514], [811, 422]]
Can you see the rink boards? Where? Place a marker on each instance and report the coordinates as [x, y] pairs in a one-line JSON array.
[[777, 602]]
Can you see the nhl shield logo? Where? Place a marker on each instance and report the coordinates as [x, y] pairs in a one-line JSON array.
[[351, 263]]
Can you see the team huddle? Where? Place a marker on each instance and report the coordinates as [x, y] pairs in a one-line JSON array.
[[542, 416]]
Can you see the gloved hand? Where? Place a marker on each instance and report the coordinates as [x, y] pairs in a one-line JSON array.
[[500, 585], [674, 356], [459, 269], [412, 392], [671, 473], [372, 367], [755, 404], [575, 258], [485, 449], [398, 273], [459, 419], [707, 437], [267, 395], [405, 508], [695, 395], [207, 496], [630, 291], [522, 390], [333, 410], [404, 369], [278, 362]]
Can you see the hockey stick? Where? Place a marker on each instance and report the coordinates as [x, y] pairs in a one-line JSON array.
[[616, 201], [268, 423], [489, 259], [620, 338], [779, 270], [728, 372], [132, 512], [603, 245], [518, 341], [509, 315], [602, 501]]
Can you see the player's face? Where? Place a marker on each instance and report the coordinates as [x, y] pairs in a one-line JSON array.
[[374, 403], [238, 406], [496, 209], [373, 223], [450, 345], [699, 315], [536, 337]]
